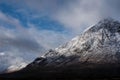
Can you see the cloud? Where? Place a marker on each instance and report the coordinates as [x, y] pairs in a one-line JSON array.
[[49, 39], [9, 59], [80, 14], [22, 45], [75, 15]]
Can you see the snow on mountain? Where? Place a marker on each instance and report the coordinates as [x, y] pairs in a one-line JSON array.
[[98, 44], [10, 63], [17, 67]]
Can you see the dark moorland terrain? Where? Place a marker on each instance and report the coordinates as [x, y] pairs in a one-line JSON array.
[[71, 72]]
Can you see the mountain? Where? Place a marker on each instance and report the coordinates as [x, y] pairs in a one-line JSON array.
[[98, 44], [94, 53]]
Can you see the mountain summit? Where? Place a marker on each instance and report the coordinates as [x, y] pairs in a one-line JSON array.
[[98, 44]]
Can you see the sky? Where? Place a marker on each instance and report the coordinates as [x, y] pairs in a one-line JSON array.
[[28, 28]]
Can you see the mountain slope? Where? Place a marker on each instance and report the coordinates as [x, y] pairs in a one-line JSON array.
[[95, 53], [98, 44]]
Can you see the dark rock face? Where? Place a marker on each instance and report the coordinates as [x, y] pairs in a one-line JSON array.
[[109, 24]]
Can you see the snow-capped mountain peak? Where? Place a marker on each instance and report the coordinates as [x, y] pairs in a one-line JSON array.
[[98, 44]]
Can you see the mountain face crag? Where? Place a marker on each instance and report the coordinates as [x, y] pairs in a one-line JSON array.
[[98, 44]]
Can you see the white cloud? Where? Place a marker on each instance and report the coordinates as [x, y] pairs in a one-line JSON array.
[[25, 44], [80, 14], [9, 59], [47, 38], [73, 14]]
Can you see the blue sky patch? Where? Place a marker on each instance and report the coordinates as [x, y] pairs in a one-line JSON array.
[[44, 22]]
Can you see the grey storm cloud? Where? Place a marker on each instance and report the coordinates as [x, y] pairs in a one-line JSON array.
[[17, 48]]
